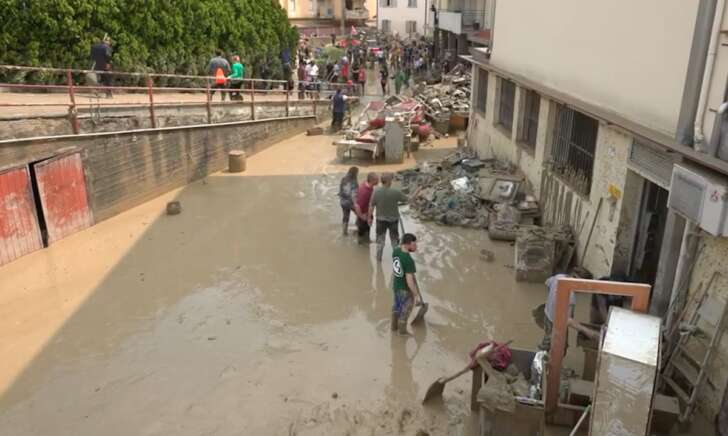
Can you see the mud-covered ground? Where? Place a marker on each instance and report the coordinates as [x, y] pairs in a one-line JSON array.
[[249, 314]]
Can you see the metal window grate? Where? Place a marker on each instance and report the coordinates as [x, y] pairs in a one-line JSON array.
[[575, 140], [481, 96], [532, 106], [386, 26], [506, 104], [412, 3]]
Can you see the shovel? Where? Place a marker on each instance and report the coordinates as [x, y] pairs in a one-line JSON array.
[[422, 306], [436, 388]]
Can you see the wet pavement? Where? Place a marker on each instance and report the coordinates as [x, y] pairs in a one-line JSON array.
[[249, 313]]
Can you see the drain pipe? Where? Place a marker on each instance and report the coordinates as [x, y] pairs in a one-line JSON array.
[[709, 64], [696, 68]]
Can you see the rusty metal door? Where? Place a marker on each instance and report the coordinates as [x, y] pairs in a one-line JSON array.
[[62, 190], [19, 229]]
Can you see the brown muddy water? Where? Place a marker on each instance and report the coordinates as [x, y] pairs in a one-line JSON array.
[[248, 314]]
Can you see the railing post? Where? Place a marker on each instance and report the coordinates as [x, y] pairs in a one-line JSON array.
[[72, 113], [150, 91], [288, 96], [209, 104], [252, 99], [314, 107]]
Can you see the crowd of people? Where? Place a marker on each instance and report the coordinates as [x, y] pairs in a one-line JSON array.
[[366, 199]]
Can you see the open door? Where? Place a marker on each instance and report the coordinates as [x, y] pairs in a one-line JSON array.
[[63, 197], [19, 229]]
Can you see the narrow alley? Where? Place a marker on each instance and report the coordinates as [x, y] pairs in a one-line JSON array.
[[248, 313]]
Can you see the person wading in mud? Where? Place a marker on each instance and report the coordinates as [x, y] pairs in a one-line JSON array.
[[386, 201], [347, 194], [404, 284], [361, 206]]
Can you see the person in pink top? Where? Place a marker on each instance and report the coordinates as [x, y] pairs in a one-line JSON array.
[[361, 206]]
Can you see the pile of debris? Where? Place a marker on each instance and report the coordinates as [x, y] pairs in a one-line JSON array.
[[459, 190], [450, 97], [463, 190]]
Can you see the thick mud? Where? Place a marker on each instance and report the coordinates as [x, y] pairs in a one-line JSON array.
[[247, 314]]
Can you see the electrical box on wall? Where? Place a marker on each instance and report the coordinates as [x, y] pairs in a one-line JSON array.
[[701, 196]]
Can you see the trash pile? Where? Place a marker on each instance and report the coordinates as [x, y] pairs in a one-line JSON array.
[[449, 97], [463, 190], [459, 190]]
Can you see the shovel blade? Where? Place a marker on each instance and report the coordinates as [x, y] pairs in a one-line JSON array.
[[420, 316], [435, 390]]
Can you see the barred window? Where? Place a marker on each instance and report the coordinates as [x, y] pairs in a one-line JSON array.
[[386, 26], [506, 104], [575, 141], [481, 93], [411, 3], [529, 126]]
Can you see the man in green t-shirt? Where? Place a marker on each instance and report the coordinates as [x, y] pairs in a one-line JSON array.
[[386, 201], [404, 284]]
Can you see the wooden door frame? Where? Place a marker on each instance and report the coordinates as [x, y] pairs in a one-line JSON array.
[[640, 294]]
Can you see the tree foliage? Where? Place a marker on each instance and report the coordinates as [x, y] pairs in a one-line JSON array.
[[166, 36]]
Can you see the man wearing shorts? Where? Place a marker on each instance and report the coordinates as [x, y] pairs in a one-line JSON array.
[[404, 284]]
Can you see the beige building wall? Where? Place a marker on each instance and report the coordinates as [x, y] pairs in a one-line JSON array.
[[310, 9], [627, 56], [562, 204]]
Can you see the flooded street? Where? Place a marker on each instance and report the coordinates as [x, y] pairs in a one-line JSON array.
[[248, 314]]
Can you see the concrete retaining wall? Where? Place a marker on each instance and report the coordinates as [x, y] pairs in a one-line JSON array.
[[120, 118], [124, 169]]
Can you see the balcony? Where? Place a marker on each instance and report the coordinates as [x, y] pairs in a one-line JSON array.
[[358, 14], [463, 22]]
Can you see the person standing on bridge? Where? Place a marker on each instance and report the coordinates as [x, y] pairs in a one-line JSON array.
[[101, 57], [236, 78], [386, 201], [219, 68]]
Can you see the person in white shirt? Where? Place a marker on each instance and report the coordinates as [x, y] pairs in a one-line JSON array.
[[314, 79], [550, 307]]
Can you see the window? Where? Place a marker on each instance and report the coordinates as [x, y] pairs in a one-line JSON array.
[[292, 5], [529, 116], [410, 26], [481, 93], [506, 103], [388, 3], [386, 26], [572, 153], [411, 3], [312, 6]]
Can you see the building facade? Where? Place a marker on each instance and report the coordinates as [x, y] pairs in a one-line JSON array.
[[461, 24], [606, 107], [405, 17], [311, 12]]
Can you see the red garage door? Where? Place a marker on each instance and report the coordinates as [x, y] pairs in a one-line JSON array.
[[19, 229], [62, 190]]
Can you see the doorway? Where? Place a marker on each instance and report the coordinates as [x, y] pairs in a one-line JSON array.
[[650, 231]]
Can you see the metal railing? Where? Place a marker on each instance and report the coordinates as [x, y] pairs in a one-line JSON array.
[[239, 89]]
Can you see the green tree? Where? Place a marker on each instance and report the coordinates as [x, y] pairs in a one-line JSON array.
[[162, 36]]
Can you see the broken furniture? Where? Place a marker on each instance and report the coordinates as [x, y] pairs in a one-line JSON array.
[[499, 411], [626, 376], [640, 296]]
